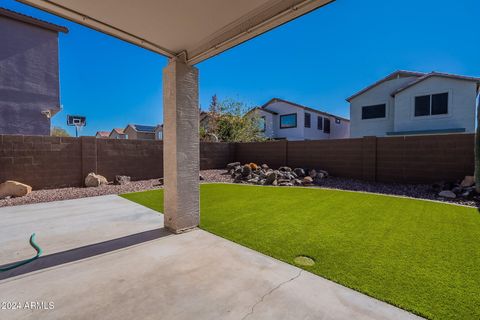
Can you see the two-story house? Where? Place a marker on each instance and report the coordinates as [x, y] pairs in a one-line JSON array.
[[406, 103], [281, 119], [29, 81]]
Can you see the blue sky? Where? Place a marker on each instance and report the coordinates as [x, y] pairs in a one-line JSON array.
[[317, 60]]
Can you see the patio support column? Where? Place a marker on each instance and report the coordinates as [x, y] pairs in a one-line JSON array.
[[181, 146]]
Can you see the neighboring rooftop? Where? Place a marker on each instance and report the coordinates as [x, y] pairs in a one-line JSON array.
[[261, 108], [31, 20], [397, 74], [143, 128], [417, 78], [103, 134], [436, 74], [302, 107], [119, 130]]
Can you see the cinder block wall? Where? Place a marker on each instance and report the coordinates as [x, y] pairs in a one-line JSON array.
[[52, 162], [273, 153], [410, 159], [139, 159], [41, 161]]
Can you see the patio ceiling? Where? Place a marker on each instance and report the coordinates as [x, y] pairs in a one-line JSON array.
[[199, 29]]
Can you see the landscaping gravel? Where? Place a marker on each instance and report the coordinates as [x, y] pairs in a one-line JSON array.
[[49, 195], [420, 191], [413, 191]]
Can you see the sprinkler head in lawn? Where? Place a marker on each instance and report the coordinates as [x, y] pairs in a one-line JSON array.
[[304, 261]]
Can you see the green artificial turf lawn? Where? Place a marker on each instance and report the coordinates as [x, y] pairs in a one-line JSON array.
[[421, 256]]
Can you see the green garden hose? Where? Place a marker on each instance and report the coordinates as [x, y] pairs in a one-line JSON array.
[[21, 263]]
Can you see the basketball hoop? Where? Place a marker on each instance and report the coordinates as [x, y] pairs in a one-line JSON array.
[[76, 121]]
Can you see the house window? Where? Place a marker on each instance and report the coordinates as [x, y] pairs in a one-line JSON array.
[[337, 121], [431, 105], [160, 135], [326, 125], [262, 124], [307, 120], [319, 123], [374, 112], [288, 121], [440, 103]]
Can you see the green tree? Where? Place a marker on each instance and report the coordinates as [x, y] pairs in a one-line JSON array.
[[230, 121], [234, 123], [213, 108], [59, 132]]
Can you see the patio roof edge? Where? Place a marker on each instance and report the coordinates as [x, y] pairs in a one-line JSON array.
[[226, 39], [100, 26]]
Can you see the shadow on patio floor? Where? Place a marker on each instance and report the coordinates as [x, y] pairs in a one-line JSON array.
[[84, 252]]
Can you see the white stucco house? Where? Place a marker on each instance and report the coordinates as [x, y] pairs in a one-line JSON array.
[[409, 103], [281, 119]]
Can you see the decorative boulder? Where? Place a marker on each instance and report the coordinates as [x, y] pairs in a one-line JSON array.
[[121, 180], [308, 181], [468, 181], [265, 167], [297, 182], [14, 189], [246, 170], [233, 165], [312, 173], [299, 172], [253, 166], [320, 175], [325, 173], [95, 180], [271, 178], [447, 194], [285, 169]]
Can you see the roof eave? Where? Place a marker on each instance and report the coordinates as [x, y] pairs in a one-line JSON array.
[[435, 74], [31, 20], [396, 73]]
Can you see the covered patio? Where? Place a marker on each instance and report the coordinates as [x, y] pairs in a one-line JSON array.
[[186, 32]]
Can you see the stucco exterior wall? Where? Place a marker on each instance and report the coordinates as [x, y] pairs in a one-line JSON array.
[[136, 135], [283, 108], [116, 135], [380, 94], [29, 80], [462, 97], [269, 123], [339, 130], [313, 133]]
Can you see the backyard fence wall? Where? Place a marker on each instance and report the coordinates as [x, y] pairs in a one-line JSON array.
[[50, 162], [406, 159]]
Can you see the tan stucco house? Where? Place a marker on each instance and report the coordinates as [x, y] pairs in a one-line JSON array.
[[139, 132]]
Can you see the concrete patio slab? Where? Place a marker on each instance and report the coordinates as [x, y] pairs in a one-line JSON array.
[[195, 275], [69, 224]]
